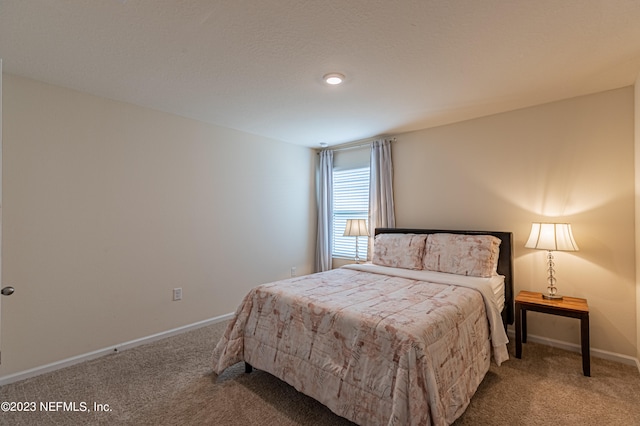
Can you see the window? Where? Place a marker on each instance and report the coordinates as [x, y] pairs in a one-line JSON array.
[[350, 201]]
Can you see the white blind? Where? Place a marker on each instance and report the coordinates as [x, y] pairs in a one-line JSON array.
[[350, 201]]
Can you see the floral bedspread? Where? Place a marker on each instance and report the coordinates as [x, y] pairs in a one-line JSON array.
[[375, 349]]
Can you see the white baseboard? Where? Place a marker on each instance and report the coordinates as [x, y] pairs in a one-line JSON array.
[[21, 375], [600, 353]]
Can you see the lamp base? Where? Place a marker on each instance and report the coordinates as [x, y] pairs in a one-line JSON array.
[[551, 296]]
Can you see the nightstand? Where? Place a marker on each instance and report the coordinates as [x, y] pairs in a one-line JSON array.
[[572, 307]]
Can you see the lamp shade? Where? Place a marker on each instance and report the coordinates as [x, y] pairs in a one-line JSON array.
[[552, 237], [356, 228]]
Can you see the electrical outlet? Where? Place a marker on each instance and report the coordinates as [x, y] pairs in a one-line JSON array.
[[293, 271], [177, 294]]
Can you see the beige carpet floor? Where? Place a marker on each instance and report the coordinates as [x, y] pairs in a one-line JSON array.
[[169, 382]]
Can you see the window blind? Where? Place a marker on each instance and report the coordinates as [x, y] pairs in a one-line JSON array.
[[350, 201]]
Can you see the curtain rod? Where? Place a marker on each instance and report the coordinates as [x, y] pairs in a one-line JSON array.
[[345, 148]]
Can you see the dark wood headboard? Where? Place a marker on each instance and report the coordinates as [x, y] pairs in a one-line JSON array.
[[505, 259]]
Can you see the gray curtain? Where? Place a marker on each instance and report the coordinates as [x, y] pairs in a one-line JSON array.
[[381, 209], [324, 192]]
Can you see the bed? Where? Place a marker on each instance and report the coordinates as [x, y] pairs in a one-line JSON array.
[[406, 339]]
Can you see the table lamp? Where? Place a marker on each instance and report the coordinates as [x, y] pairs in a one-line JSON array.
[[356, 228], [551, 237]]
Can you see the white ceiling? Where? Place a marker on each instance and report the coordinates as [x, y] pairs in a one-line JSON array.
[[257, 66]]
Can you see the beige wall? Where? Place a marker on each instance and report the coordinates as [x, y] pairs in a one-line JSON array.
[[568, 161], [109, 206]]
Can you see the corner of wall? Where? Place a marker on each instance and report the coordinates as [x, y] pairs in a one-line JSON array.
[[637, 212]]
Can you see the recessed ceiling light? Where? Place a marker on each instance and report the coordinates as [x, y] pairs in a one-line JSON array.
[[333, 78]]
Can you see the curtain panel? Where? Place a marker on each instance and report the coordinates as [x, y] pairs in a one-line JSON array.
[[381, 207], [324, 193]]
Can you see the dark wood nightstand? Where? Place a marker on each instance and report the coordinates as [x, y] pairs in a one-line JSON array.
[[573, 307]]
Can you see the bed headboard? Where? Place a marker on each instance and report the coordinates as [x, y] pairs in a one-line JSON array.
[[505, 259]]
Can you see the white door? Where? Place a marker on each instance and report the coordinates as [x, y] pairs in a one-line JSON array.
[[5, 290]]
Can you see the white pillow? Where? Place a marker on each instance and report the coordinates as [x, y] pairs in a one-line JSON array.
[[399, 250], [462, 254]]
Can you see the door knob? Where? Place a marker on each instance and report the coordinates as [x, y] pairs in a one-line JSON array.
[[7, 291]]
